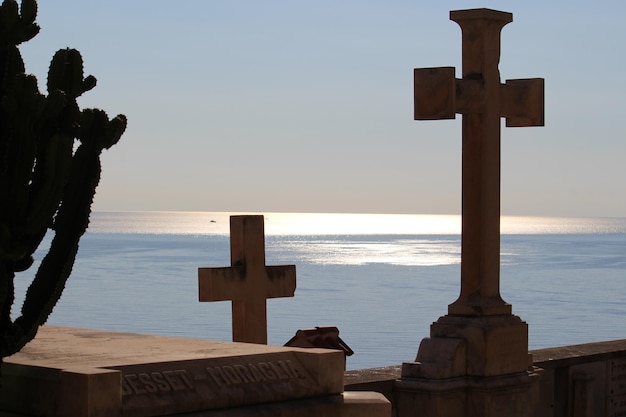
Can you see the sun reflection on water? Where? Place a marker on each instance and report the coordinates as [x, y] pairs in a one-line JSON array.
[[360, 224], [366, 250], [349, 239], [323, 224], [277, 224]]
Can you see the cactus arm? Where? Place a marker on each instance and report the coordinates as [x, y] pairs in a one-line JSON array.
[[29, 172], [50, 177], [44, 183], [66, 74], [28, 11], [70, 224], [18, 25]]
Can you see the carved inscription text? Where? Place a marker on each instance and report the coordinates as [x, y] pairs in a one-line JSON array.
[[216, 377], [617, 388]]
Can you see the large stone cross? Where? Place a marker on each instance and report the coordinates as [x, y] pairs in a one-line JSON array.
[[248, 282], [482, 100]]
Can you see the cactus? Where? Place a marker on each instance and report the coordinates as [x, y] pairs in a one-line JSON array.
[[49, 170]]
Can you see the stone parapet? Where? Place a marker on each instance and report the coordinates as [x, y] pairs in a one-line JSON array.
[[585, 380]]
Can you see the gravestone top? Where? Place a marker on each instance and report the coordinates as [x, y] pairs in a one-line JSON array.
[[479, 337], [247, 282], [482, 100], [74, 372]]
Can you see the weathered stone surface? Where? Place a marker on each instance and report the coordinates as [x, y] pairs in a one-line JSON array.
[[438, 358], [496, 341], [496, 345], [80, 372], [482, 100], [476, 362], [587, 379], [248, 282], [509, 395], [348, 404], [471, 366]]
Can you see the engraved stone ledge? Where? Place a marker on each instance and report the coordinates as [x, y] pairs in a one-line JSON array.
[[79, 372], [616, 389]]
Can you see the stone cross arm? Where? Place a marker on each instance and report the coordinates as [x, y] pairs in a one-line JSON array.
[[439, 95], [229, 283]]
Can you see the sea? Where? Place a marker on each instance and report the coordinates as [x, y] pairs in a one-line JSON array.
[[380, 279]]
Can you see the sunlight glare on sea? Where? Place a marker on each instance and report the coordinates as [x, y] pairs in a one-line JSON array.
[[320, 224], [276, 224], [360, 224]]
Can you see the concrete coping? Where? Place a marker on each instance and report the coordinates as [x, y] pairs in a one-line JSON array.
[[564, 356], [554, 357]]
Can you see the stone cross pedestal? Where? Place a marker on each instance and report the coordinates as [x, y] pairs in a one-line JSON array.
[[248, 282], [476, 361]]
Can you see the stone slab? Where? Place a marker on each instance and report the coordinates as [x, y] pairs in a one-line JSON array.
[[348, 404], [82, 372]]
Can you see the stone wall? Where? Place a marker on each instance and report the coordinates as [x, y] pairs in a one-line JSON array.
[[587, 380]]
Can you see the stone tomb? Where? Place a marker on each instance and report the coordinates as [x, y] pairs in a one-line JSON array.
[[90, 373]]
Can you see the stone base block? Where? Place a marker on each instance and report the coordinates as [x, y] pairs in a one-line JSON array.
[[508, 395], [490, 345]]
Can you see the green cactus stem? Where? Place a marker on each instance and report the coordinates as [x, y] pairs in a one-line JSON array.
[[49, 170]]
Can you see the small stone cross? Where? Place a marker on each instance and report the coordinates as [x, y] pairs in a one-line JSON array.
[[482, 100], [248, 282]]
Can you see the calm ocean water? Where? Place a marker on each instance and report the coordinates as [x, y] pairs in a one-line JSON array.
[[381, 279]]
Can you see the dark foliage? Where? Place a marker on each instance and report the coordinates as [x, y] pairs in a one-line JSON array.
[[49, 170]]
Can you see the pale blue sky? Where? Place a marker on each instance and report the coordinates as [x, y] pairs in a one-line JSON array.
[[307, 106]]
